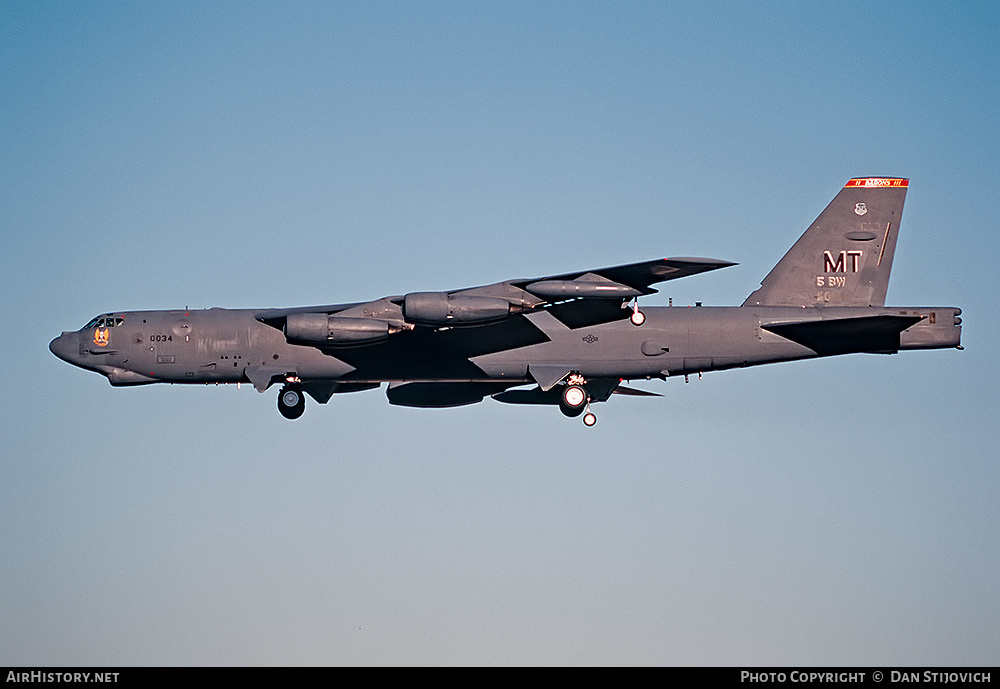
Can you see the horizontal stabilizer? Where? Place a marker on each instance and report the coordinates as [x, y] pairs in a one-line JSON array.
[[868, 334]]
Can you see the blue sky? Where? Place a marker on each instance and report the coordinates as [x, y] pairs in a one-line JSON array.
[[160, 155]]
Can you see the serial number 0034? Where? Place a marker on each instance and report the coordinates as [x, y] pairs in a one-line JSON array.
[[161, 338]]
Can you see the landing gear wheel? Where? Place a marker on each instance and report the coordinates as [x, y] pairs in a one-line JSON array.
[[589, 419], [291, 402], [637, 317], [573, 401]]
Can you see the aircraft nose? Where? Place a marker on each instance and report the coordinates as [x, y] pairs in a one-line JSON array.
[[63, 346]]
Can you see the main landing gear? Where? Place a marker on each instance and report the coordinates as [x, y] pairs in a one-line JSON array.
[[575, 400], [291, 402]]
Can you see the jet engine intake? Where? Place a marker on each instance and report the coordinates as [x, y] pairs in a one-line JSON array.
[[321, 328], [441, 308]]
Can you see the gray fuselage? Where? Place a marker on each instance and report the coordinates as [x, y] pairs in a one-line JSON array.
[[225, 346]]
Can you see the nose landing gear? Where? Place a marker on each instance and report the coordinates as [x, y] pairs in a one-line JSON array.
[[291, 402]]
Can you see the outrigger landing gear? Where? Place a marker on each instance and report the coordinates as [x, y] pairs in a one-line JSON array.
[[291, 402], [637, 318]]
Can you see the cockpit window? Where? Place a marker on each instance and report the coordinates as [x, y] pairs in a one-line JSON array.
[[104, 322]]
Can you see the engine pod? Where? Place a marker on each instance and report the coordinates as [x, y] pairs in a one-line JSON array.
[[441, 308], [322, 328]]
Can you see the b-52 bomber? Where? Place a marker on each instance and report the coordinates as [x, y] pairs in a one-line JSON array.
[[567, 340]]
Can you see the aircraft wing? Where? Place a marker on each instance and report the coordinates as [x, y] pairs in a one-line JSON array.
[[577, 299], [264, 315], [611, 284], [638, 276], [624, 281]]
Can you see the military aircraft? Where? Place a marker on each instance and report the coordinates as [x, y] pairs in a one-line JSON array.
[[566, 340]]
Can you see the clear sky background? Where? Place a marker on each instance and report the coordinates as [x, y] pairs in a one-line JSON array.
[[165, 155]]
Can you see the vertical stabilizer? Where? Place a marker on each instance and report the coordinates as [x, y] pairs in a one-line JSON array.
[[844, 257]]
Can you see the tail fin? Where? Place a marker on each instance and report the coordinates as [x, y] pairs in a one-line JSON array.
[[845, 256]]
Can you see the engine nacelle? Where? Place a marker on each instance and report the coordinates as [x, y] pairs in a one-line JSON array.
[[441, 308], [321, 328]]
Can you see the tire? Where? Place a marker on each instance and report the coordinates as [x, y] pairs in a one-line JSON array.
[[573, 400], [291, 402]]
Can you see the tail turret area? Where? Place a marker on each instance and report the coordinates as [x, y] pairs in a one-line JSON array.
[[845, 256]]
